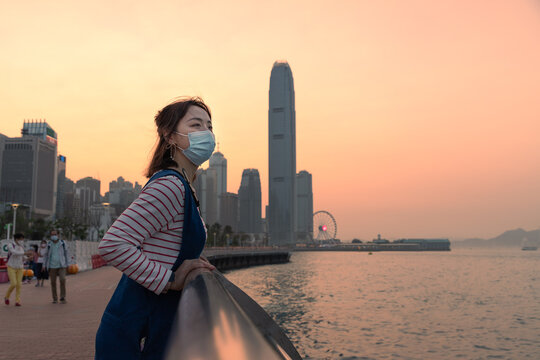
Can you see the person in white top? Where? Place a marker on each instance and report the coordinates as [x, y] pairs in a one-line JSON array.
[[15, 268]]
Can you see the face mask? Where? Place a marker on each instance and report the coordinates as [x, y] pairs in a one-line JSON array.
[[54, 237], [43, 245], [201, 146]]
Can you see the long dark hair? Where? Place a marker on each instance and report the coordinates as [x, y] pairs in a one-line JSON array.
[[166, 121]]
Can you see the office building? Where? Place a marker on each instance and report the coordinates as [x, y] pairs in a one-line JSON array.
[[249, 202], [60, 187], [229, 210], [281, 156], [29, 169], [121, 194], [205, 186], [87, 193], [304, 207], [218, 167]]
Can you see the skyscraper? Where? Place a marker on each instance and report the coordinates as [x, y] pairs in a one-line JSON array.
[[304, 203], [205, 187], [88, 193], [29, 166], [60, 187], [218, 165], [229, 210], [249, 199], [281, 214]]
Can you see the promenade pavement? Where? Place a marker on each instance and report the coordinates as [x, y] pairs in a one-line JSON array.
[[40, 329]]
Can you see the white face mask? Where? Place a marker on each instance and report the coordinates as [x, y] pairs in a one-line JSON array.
[[54, 237]]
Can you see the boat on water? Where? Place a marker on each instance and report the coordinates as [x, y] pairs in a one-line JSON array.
[[528, 245]]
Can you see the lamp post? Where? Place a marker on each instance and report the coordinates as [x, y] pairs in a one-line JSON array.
[[14, 206]]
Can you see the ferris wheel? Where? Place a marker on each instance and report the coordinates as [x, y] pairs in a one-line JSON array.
[[324, 226]]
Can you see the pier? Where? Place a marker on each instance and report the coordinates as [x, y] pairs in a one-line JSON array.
[[225, 259], [372, 247]]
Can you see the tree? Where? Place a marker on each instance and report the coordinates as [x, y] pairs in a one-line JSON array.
[[40, 228], [213, 233], [80, 231], [67, 225], [226, 233]]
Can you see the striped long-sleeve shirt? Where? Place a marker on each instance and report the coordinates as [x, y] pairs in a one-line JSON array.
[[145, 240]]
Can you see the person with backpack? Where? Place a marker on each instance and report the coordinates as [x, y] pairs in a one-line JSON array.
[[158, 240], [15, 268], [56, 262]]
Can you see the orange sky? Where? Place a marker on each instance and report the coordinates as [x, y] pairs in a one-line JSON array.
[[416, 118]]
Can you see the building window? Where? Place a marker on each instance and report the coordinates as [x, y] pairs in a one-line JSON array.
[[277, 110], [279, 136], [279, 179]]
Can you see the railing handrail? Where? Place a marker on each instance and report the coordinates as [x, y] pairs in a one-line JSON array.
[[217, 320]]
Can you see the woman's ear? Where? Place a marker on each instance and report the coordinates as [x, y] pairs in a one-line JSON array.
[[168, 139]]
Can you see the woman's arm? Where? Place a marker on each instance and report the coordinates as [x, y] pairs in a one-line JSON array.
[[156, 206], [15, 250]]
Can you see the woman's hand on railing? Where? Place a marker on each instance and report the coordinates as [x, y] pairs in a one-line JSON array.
[[187, 267]]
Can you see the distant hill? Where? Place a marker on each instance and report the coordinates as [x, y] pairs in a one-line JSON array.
[[510, 238]]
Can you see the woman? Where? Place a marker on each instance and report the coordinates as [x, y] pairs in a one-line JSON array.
[[40, 272], [158, 239], [15, 268]]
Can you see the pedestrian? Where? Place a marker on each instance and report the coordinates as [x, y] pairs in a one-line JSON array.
[[15, 268], [157, 241], [56, 263], [40, 271], [31, 255]]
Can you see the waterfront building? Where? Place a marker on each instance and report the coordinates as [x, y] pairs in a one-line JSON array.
[[29, 169], [281, 156], [229, 210], [249, 201], [69, 199], [121, 194], [218, 168], [205, 186], [60, 186], [101, 216], [87, 193], [304, 207]]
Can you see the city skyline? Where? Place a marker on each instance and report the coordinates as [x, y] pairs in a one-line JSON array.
[[415, 119]]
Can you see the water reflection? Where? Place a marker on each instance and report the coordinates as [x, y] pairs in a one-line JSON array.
[[462, 304]]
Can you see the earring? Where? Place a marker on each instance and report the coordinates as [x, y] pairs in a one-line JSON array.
[[172, 150]]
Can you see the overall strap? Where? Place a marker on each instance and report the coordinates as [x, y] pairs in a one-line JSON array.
[[162, 173]]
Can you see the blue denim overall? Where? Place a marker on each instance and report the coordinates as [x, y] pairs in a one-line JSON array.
[[135, 312]]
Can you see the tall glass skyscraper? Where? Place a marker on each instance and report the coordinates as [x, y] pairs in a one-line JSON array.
[[218, 165], [281, 214]]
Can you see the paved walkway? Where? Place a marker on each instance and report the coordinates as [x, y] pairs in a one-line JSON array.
[[42, 330]]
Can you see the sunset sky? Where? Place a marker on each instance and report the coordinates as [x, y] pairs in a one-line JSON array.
[[415, 118]]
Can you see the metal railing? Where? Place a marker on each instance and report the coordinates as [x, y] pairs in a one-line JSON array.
[[217, 320]]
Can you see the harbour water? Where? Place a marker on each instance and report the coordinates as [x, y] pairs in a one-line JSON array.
[[463, 304]]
